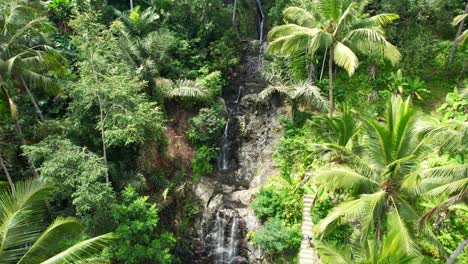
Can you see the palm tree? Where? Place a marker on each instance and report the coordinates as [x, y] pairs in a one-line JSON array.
[[23, 238], [450, 137], [298, 93], [143, 47], [337, 26], [182, 89], [23, 63], [340, 130], [373, 252], [461, 36], [387, 176]]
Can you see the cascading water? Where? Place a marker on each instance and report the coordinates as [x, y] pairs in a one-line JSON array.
[[261, 20], [226, 237], [226, 216], [223, 163]]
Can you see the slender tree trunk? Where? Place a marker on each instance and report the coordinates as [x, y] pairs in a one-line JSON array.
[[131, 4], [323, 63], [33, 100], [234, 14], [103, 138], [330, 82], [461, 25], [457, 251], [7, 174]]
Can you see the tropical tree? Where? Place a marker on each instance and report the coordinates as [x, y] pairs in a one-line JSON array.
[[386, 176], [461, 36], [337, 26], [25, 239], [24, 57], [450, 137], [373, 252]]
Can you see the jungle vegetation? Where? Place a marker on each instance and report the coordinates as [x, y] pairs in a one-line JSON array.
[[111, 112]]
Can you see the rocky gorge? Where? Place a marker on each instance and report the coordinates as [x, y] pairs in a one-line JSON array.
[[245, 164]]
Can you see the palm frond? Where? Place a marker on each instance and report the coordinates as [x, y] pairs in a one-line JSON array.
[[458, 19], [45, 245], [371, 40], [342, 177], [331, 254], [299, 16], [20, 217], [189, 89], [332, 9], [345, 58], [382, 19], [83, 250], [463, 38], [310, 94], [275, 88], [365, 209], [399, 237]]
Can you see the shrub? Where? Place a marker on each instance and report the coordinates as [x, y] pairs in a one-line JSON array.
[[201, 164], [137, 241], [207, 126], [277, 238], [455, 106], [212, 81], [282, 203]]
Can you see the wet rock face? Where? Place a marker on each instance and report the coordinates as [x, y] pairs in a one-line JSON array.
[[245, 164]]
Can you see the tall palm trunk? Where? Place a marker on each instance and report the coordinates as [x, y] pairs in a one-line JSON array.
[[457, 251], [330, 82], [323, 64], [33, 100], [7, 174], [461, 25]]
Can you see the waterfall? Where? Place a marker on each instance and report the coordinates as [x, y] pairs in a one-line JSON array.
[[223, 164], [226, 236], [261, 20], [239, 92]]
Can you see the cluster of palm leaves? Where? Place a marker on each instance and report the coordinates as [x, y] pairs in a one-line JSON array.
[[25, 239], [25, 57], [382, 164], [182, 89], [337, 27], [302, 93]]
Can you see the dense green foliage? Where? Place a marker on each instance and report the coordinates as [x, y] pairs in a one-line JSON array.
[[117, 110], [24, 238], [137, 221]]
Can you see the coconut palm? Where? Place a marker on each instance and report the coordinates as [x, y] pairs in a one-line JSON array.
[[373, 252], [337, 26], [386, 176], [450, 137], [24, 238]]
